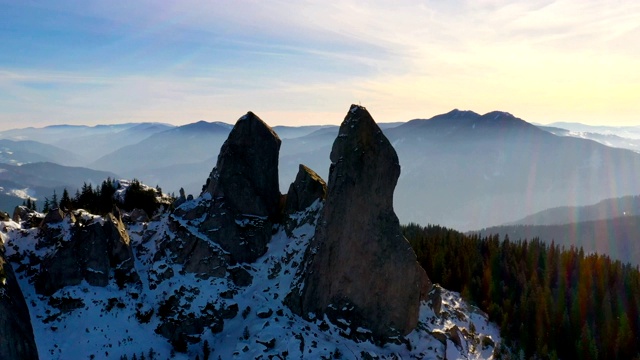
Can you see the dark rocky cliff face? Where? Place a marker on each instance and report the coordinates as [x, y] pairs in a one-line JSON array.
[[307, 188], [246, 174], [360, 270], [94, 253], [242, 193], [16, 333]]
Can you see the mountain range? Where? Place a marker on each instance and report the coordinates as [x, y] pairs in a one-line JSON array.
[[479, 170], [39, 180]]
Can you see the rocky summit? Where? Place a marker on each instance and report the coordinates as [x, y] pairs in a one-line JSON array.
[[360, 271], [242, 194]]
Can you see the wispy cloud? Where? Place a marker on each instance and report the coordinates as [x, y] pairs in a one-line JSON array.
[[180, 61]]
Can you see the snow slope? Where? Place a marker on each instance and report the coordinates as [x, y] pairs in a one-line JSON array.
[[85, 322]]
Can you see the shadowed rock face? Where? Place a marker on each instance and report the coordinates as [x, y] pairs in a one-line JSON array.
[[246, 174], [243, 192], [91, 254], [303, 193], [16, 333], [359, 267], [305, 190]]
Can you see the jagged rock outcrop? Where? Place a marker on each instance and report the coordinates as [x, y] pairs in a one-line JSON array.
[[16, 333], [21, 213], [307, 188], [242, 192], [182, 198], [53, 216], [29, 217], [92, 253], [138, 216], [360, 271], [197, 255]]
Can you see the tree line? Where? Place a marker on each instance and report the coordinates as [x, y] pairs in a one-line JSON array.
[[550, 302], [101, 200]]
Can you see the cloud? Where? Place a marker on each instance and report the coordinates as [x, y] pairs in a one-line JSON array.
[[186, 60]]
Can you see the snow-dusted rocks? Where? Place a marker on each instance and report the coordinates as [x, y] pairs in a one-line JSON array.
[[136, 216], [194, 251], [361, 272], [242, 196], [94, 252], [16, 334], [30, 217]]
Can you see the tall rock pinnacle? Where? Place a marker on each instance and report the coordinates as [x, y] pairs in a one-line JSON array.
[[359, 266], [246, 174], [241, 198]]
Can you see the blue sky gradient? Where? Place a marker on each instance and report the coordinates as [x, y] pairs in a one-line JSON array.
[[304, 62]]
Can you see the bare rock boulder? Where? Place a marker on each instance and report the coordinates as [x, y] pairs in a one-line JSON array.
[[243, 192], [28, 217], [359, 270], [16, 333], [54, 216], [21, 213]]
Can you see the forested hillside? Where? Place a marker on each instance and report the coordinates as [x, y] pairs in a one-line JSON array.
[[551, 301], [617, 238]]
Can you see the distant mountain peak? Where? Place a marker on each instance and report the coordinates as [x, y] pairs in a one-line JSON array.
[[466, 123], [498, 115], [206, 126], [456, 113], [506, 121]]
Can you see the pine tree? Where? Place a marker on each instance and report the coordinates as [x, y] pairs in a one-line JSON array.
[[54, 200], [47, 206], [65, 201]]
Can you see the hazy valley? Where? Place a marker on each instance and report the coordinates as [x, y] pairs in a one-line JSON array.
[[472, 168]]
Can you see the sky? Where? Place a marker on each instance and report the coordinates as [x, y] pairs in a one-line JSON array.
[[304, 62]]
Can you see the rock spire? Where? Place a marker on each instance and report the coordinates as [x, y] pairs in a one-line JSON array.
[[360, 271], [243, 192]]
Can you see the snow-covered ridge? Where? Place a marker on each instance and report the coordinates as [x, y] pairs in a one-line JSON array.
[[251, 321]]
